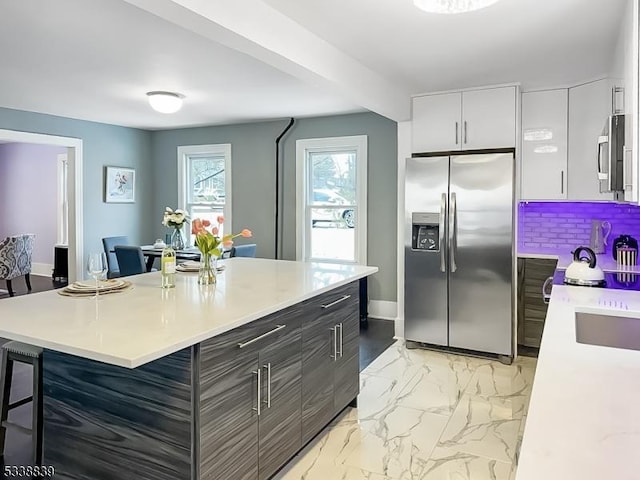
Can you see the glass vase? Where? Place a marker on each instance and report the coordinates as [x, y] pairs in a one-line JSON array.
[[177, 240], [207, 271]]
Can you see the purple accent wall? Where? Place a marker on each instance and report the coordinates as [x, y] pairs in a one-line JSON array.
[[28, 194], [562, 226]]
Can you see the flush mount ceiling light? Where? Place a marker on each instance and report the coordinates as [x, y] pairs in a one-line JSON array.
[[452, 6], [165, 102]]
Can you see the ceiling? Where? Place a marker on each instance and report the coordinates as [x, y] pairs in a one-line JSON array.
[[533, 42], [96, 60]]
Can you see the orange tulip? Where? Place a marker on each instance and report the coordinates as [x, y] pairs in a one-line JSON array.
[[206, 223], [246, 233], [215, 230], [227, 243], [196, 226], [220, 219]]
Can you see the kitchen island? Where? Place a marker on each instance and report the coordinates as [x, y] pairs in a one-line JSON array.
[[194, 382]]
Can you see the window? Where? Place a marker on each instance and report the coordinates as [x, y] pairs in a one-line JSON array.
[[204, 182], [331, 199]]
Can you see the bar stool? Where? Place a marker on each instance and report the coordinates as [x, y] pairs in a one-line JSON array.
[[23, 353]]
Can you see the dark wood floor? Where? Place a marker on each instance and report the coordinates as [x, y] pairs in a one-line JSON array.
[[375, 337], [38, 284]]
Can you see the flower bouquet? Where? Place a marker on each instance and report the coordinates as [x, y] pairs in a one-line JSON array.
[[175, 220], [210, 245]]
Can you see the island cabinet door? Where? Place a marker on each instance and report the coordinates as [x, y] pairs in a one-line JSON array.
[[280, 427], [346, 383], [320, 354], [228, 417]]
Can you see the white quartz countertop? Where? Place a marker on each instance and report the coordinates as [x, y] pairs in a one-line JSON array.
[[147, 322], [584, 416]]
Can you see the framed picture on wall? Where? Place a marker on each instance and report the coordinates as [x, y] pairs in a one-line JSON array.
[[119, 185]]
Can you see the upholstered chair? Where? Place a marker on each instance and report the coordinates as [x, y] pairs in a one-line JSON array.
[[130, 260], [248, 250], [109, 244], [15, 259]]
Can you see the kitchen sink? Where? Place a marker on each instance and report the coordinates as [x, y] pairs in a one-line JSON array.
[[608, 330]]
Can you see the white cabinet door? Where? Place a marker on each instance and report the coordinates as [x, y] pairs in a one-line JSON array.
[[489, 118], [544, 145], [436, 123], [589, 107]]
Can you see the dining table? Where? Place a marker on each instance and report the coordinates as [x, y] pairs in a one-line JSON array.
[[151, 253]]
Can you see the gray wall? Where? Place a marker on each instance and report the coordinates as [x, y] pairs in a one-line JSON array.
[[102, 145], [253, 180], [28, 195]]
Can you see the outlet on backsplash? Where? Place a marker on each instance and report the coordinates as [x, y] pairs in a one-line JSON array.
[[562, 226]]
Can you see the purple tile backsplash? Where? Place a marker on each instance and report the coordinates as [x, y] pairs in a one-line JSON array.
[[563, 226]]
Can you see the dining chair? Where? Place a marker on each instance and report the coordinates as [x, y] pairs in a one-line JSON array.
[[15, 259], [109, 244], [130, 260], [244, 250]]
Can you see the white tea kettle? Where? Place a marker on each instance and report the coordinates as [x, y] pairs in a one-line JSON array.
[[583, 270]]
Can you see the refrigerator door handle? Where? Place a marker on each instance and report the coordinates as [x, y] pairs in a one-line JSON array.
[[442, 227], [453, 232]]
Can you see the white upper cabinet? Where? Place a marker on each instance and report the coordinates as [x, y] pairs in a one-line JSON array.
[[589, 106], [436, 122], [470, 120], [544, 145], [489, 118]]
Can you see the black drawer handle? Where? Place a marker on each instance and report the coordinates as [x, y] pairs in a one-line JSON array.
[[254, 340], [329, 305]]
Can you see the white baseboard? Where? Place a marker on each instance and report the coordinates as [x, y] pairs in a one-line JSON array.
[[41, 269], [399, 328], [383, 310]]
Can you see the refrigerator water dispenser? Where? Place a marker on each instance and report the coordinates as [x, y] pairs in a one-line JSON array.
[[425, 234]]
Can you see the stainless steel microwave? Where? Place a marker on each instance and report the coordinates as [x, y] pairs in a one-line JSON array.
[[611, 155]]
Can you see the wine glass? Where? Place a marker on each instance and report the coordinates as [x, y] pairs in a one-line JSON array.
[[96, 267]]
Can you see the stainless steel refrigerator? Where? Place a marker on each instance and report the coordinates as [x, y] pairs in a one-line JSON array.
[[459, 268]]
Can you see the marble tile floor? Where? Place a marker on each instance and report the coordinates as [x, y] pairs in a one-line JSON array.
[[425, 415]]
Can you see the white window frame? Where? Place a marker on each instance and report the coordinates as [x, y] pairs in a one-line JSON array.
[[303, 224], [222, 149]]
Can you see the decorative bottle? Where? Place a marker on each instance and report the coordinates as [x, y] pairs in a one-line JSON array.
[[168, 267]]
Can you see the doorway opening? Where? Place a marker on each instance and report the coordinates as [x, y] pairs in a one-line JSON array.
[[68, 195]]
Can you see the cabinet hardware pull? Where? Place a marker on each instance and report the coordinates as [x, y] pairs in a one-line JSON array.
[[254, 340], [465, 131], [329, 305], [258, 407], [443, 208], [268, 400], [546, 296], [341, 343], [562, 181], [456, 133], [334, 334], [453, 232]]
